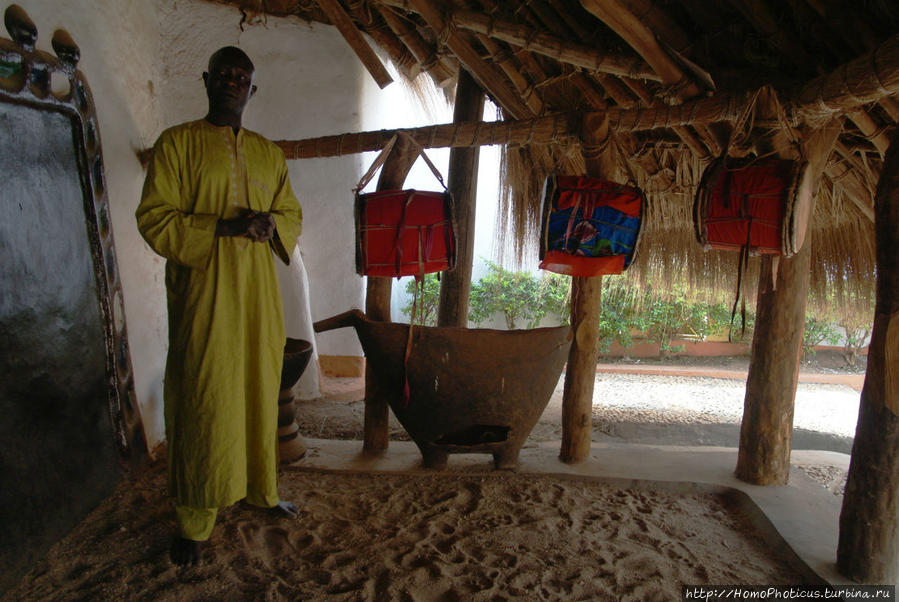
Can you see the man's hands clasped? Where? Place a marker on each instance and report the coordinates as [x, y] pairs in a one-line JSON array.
[[258, 227]]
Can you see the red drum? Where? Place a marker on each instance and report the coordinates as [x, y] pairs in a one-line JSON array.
[[744, 204], [404, 233]]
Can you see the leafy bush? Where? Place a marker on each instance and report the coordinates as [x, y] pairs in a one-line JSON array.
[[554, 296], [427, 300], [856, 318], [514, 294], [617, 316], [519, 296], [818, 330]]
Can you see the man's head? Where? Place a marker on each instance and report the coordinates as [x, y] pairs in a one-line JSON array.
[[229, 81]]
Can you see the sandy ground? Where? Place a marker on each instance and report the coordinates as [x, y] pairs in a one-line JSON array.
[[442, 536], [423, 537]]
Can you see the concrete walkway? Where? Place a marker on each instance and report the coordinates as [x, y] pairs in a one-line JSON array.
[[856, 381], [799, 520]]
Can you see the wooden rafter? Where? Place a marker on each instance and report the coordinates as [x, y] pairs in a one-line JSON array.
[[757, 13], [563, 51], [891, 106], [540, 130], [549, 45], [617, 16], [504, 60], [656, 19], [867, 79], [870, 130], [354, 38], [398, 52], [426, 56], [683, 131], [485, 74]]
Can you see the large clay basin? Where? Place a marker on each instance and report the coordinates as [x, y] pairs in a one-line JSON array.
[[470, 390]]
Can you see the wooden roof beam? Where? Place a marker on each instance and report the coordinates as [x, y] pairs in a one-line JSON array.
[[869, 78], [620, 19], [539, 130], [384, 37], [353, 37], [869, 128], [591, 96], [891, 106], [579, 55], [694, 143], [426, 56], [571, 53], [660, 23], [502, 57], [757, 13], [486, 75], [845, 177]]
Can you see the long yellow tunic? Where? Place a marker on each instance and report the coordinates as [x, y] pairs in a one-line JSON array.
[[226, 326]]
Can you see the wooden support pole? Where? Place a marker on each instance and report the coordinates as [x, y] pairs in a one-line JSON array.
[[586, 295], [868, 549], [455, 286], [354, 38], [580, 372], [766, 431], [377, 306], [767, 428]]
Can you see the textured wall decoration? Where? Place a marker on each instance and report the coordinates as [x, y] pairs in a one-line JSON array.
[[69, 416]]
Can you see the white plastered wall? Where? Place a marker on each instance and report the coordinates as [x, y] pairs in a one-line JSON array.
[[144, 62]]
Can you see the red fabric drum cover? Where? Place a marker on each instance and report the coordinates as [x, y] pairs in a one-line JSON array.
[[404, 233], [742, 203]]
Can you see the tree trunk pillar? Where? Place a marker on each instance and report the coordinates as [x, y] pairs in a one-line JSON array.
[[580, 372], [767, 428], [766, 431], [868, 549], [375, 427], [455, 285]]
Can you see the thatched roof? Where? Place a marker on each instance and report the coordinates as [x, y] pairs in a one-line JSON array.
[[677, 79]]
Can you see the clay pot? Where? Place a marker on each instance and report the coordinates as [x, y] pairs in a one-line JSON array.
[[296, 357]]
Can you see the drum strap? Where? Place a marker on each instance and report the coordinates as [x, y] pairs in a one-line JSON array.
[[740, 297]]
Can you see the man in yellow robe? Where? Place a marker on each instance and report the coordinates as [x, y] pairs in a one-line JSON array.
[[217, 204]]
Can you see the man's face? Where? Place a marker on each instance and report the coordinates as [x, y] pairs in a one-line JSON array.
[[229, 85]]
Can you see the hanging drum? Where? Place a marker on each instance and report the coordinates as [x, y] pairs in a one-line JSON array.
[[403, 232], [753, 204], [590, 226]]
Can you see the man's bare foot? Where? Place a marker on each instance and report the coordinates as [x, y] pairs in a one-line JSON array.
[[285, 510], [185, 551]]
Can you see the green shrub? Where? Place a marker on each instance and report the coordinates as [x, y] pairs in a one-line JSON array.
[[818, 330], [514, 294], [427, 300]]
